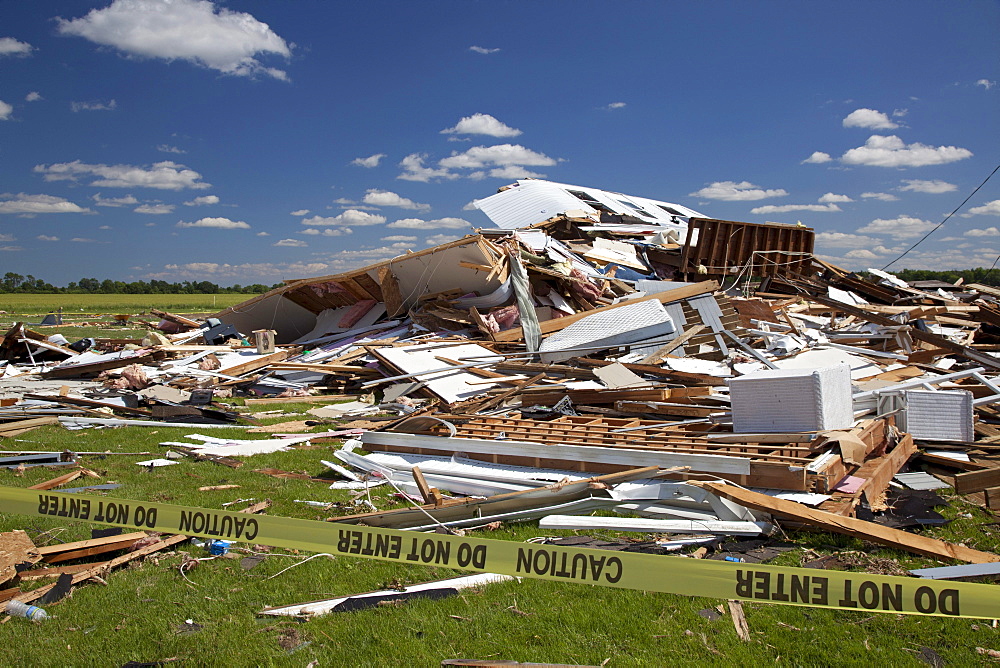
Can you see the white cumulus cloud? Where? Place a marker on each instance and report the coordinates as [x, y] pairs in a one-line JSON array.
[[988, 209], [300, 212], [500, 155], [155, 209], [861, 254], [869, 118], [988, 232], [788, 208], [439, 223], [884, 197], [44, 237], [195, 31], [616, 105], [217, 223], [161, 175], [370, 161], [352, 217], [377, 197], [13, 47], [438, 239], [22, 203], [844, 240], [128, 200], [481, 124], [33, 96], [986, 83], [328, 231], [203, 200], [932, 187], [731, 191], [483, 50], [831, 197], [900, 227], [891, 151], [167, 148], [291, 243], [5, 111], [414, 169], [817, 158]]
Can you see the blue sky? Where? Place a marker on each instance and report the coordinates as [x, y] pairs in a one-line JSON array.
[[252, 141]]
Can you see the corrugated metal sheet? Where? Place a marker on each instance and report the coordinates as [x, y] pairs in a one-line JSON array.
[[531, 201]]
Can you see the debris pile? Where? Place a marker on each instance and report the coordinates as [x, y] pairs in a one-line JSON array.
[[697, 377]]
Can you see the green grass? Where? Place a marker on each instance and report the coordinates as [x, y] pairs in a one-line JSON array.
[[88, 315], [137, 616], [114, 304]]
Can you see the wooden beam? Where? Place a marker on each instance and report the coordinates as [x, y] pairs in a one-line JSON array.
[[977, 481], [869, 531], [260, 362], [661, 354]]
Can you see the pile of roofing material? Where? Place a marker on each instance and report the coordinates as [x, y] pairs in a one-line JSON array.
[[603, 336]]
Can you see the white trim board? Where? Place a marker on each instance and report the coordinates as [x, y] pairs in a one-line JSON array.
[[573, 453]]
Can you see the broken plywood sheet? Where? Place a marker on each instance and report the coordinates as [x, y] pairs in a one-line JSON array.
[[15, 548], [450, 385]]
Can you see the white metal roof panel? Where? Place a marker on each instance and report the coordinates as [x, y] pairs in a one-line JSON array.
[[531, 201]]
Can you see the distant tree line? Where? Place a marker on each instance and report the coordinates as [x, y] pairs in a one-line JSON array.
[[978, 275], [12, 282]]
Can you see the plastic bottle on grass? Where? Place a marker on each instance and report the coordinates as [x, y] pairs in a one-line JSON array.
[[19, 609]]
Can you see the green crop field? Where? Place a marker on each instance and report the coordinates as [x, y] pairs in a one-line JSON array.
[[30, 304]]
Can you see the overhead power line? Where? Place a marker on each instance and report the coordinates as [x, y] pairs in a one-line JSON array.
[[943, 221]]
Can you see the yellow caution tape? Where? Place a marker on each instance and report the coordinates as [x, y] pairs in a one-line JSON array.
[[625, 570]]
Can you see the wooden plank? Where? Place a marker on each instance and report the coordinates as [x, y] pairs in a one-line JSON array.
[[8, 428], [661, 354], [260, 362], [992, 498], [86, 548], [56, 571], [97, 569], [879, 472], [549, 326], [425, 489], [977, 481], [869, 531], [55, 482], [89, 403]]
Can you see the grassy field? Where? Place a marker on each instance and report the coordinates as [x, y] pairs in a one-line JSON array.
[[140, 614], [93, 314], [114, 304]]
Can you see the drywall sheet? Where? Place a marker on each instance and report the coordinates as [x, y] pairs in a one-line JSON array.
[[450, 385]]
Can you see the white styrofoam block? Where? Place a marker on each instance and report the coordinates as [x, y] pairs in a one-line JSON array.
[[779, 400], [938, 415], [621, 326]]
